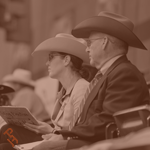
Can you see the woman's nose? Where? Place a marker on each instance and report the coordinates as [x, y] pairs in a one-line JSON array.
[[87, 50], [47, 63]]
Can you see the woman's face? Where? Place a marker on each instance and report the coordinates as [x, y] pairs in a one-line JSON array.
[[55, 64]]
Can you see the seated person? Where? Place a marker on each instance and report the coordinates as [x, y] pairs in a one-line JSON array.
[[65, 57], [5, 92], [21, 81]]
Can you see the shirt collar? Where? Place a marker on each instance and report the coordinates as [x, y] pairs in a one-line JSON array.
[[108, 64], [64, 93]]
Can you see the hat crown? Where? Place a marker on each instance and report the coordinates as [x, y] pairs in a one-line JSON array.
[[70, 37], [122, 19], [19, 76], [23, 74]]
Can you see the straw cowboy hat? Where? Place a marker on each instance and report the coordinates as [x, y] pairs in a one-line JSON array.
[[20, 76], [65, 43], [109, 23], [5, 89]]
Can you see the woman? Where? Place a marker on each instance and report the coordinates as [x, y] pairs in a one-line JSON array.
[[66, 55]]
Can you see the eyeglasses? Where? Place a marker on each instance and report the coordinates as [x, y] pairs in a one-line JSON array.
[[52, 55], [89, 41]]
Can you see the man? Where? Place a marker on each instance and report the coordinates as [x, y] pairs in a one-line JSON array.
[[120, 86]]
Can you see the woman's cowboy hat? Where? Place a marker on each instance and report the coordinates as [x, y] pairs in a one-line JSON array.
[[112, 24], [65, 43], [20, 76], [6, 89]]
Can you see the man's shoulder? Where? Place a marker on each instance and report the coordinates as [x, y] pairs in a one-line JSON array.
[[125, 68]]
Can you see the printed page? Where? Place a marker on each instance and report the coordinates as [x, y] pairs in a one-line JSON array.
[[17, 115]]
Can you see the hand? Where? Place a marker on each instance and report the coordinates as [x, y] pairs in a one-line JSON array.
[[47, 136], [42, 127], [52, 137]]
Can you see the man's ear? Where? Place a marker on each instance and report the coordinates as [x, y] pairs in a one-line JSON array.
[[105, 42]]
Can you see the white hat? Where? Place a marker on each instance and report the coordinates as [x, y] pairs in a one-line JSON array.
[[20, 76], [65, 43]]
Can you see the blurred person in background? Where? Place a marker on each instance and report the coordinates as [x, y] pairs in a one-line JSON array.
[[66, 55], [5, 98], [47, 88], [21, 81], [5, 92]]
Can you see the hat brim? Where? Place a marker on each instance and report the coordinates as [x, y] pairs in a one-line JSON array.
[[6, 89], [109, 26], [64, 45], [11, 78]]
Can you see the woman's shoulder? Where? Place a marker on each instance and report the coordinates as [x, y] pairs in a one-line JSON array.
[[82, 81], [79, 89], [81, 84]]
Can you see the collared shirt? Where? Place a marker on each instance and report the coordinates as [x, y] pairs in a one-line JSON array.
[[108, 64], [67, 104], [63, 94]]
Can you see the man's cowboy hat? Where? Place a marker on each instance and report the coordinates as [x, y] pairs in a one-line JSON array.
[[112, 24], [65, 43], [20, 76], [6, 89]]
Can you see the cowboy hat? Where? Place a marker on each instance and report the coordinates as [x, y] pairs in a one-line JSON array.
[[20, 76], [6, 89], [65, 43], [109, 23]]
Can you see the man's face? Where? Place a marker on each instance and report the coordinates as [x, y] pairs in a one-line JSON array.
[[95, 49]]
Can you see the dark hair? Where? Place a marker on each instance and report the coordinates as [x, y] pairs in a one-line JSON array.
[[77, 65]]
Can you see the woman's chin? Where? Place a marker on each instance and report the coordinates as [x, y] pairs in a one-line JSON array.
[[51, 75]]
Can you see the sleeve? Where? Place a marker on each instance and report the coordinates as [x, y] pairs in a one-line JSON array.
[[123, 89], [78, 94]]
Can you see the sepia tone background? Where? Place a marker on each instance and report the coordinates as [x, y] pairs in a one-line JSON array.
[[26, 23]]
